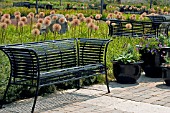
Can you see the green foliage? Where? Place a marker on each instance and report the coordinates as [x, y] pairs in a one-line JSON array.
[[167, 58], [149, 45], [154, 44], [129, 55], [164, 40]]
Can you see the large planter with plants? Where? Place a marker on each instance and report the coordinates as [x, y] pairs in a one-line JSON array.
[[152, 51], [127, 65], [166, 74], [126, 73], [152, 63], [166, 65]]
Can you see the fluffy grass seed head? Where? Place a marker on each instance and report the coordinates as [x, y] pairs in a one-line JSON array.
[[144, 14], [21, 23], [48, 18], [91, 25], [88, 20], [37, 16], [75, 22], [17, 17], [40, 20], [17, 13], [3, 25], [7, 21], [41, 14], [38, 25], [98, 16], [31, 14], [166, 13], [35, 32], [96, 28], [3, 19], [108, 22], [28, 16], [80, 15], [83, 19], [133, 17], [46, 22], [7, 16], [52, 12], [54, 18], [56, 27], [24, 19], [67, 16], [62, 20], [141, 18], [128, 26]]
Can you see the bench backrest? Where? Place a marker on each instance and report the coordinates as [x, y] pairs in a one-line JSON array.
[[157, 18], [138, 28], [92, 51], [27, 60], [57, 55], [22, 61]]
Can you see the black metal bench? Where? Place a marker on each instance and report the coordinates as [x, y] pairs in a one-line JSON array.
[[138, 28], [161, 23], [41, 64]]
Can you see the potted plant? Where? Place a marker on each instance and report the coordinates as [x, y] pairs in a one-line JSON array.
[[166, 68], [151, 50], [166, 65], [126, 66]]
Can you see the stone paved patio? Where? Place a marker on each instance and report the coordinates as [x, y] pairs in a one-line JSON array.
[[149, 95]]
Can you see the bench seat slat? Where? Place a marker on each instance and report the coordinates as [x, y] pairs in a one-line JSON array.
[[70, 70]]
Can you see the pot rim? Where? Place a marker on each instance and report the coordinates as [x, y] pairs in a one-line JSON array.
[[135, 63]]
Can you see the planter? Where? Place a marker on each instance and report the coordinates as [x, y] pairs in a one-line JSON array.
[[152, 63], [166, 75], [166, 68], [126, 73]]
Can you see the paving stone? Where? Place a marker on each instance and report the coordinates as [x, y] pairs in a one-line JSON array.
[[145, 96], [155, 93], [159, 103], [116, 111], [139, 89], [71, 108], [151, 100], [167, 105], [129, 97], [85, 110], [138, 99], [149, 96]]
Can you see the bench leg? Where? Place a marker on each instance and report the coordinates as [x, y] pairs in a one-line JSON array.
[[78, 84], [4, 97], [107, 82], [35, 99]]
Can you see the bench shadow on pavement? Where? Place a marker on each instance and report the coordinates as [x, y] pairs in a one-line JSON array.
[[49, 102]]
